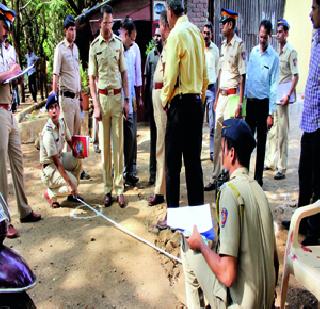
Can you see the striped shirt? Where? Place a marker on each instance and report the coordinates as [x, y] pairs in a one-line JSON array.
[[310, 118]]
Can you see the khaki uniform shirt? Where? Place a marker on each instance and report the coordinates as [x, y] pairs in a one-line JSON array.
[[231, 63], [106, 61], [66, 66], [212, 61], [159, 71], [288, 63], [52, 140], [186, 70], [5, 95], [246, 232]]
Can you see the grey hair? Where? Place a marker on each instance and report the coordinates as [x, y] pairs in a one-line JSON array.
[[176, 6], [163, 18]]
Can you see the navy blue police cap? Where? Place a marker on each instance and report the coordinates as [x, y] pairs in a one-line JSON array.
[[52, 98], [283, 22], [7, 15], [227, 14], [239, 132], [69, 21]]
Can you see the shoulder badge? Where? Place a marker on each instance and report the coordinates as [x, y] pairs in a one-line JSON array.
[[94, 41], [223, 217]]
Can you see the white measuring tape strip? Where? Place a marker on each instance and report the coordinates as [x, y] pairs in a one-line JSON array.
[[124, 230]]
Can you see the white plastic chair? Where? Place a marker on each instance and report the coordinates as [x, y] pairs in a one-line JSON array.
[[301, 262]]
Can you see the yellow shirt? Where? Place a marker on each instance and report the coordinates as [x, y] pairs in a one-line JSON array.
[[66, 66], [288, 63], [106, 61], [185, 70], [231, 63]]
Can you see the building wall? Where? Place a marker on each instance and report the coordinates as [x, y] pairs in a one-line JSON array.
[[197, 11], [297, 14]]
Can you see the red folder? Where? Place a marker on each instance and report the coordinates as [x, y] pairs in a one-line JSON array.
[[80, 146]]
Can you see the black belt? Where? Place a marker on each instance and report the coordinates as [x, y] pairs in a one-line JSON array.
[[69, 94], [186, 96]]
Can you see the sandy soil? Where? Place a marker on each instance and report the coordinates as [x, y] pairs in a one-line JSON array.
[[86, 263]]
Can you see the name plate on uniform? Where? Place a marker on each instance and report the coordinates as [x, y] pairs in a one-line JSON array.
[[80, 146]]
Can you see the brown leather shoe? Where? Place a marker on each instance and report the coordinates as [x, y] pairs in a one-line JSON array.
[[31, 217], [108, 200], [155, 199], [12, 232], [121, 201]]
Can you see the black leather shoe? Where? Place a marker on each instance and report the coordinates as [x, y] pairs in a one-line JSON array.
[[155, 200], [74, 199], [131, 180], [108, 200], [279, 176], [210, 186], [121, 201]]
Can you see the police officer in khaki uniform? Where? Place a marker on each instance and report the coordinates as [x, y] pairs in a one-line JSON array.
[[160, 117], [60, 170], [107, 72], [66, 74], [231, 80], [10, 144], [242, 270], [277, 141]]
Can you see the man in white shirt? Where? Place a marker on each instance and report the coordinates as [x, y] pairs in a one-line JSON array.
[[211, 53], [32, 74]]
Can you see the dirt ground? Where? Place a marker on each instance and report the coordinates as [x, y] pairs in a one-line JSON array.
[[82, 261]]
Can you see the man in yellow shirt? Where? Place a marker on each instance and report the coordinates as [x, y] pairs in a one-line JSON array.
[[185, 83]]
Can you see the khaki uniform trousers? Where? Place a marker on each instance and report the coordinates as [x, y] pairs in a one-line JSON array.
[[51, 177], [71, 113], [198, 275], [160, 118], [10, 146], [221, 115], [277, 140], [112, 118]]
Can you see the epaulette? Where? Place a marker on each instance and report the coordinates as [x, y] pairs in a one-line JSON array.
[[94, 41], [60, 43], [118, 38], [239, 40], [48, 128]]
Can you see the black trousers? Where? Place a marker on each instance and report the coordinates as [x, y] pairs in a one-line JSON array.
[[184, 139], [128, 145], [153, 142], [309, 176], [257, 114], [32, 84]]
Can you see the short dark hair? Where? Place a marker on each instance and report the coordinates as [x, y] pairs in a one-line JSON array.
[[285, 28], [128, 25], [164, 18], [243, 153], [266, 24], [208, 25], [176, 6], [106, 9]]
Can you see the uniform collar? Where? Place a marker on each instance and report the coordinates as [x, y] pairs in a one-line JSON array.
[[238, 172], [101, 39], [67, 43], [231, 42], [53, 126], [182, 19]]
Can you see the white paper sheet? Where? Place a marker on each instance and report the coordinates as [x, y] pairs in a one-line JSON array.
[[184, 218], [283, 90], [18, 75]]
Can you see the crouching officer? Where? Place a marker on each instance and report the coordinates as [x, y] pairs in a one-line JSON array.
[[60, 170], [242, 270]]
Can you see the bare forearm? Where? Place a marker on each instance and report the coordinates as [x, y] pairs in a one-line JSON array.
[[93, 89], [125, 83], [242, 86], [294, 83], [55, 80]]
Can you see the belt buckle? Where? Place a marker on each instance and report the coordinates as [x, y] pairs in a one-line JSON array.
[[223, 92], [110, 92]]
